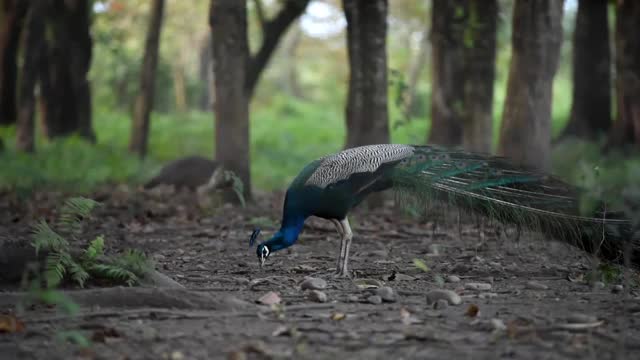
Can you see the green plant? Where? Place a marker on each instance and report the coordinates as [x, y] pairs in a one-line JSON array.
[[61, 262]]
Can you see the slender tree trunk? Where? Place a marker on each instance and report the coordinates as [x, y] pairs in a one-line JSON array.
[[415, 71], [447, 91], [180, 87], [12, 16], [290, 45], [480, 57], [591, 107], [626, 129], [366, 112], [206, 73], [228, 20], [34, 45], [144, 101], [526, 125]]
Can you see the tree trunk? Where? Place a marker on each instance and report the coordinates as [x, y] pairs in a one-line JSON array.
[[12, 16], [480, 57], [526, 125], [415, 71], [626, 129], [206, 74], [144, 101], [291, 44], [366, 111], [447, 90], [180, 87], [591, 107], [228, 20], [34, 45]]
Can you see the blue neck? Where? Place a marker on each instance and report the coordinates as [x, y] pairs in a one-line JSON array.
[[288, 233]]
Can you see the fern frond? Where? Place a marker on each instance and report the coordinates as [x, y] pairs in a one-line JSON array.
[[73, 212], [94, 250], [55, 269], [134, 261], [114, 272], [45, 238], [78, 274]]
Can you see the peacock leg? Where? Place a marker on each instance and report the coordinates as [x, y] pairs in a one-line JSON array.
[[342, 243], [343, 270]]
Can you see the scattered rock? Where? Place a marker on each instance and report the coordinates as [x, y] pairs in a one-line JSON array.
[[498, 325], [535, 285], [487, 295], [441, 304], [477, 286], [374, 299], [451, 297], [386, 294], [317, 296], [270, 298], [495, 264], [453, 279], [617, 289], [367, 284], [313, 284], [598, 285], [353, 298], [578, 318], [176, 355]]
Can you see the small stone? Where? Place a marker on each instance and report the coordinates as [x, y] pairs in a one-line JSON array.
[[270, 298], [317, 296], [386, 294], [487, 295], [403, 277], [495, 264], [453, 279], [617, 289], [313, 284], [434, 250], [374, 299], [364, 284], [477, 286], [450, 296], [578, 318], [353, 298], [598, 285], [535, 285], [498, 325], [177, 355], [441, 304]]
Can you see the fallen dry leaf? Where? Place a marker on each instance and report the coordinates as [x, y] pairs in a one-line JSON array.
[[270, 298], [10, 324], [337, 316], [472, 310]]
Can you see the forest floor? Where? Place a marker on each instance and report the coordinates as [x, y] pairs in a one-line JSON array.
[[534, 300]]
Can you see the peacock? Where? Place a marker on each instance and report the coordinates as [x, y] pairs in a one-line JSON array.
[[492, 186]]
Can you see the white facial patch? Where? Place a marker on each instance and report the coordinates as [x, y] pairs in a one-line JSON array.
[[265, 252]]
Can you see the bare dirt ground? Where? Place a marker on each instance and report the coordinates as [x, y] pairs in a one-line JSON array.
[[536, 302]]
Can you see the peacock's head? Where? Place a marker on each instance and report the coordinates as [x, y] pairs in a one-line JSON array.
[[263, 253]]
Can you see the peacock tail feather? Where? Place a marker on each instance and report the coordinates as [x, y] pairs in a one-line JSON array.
[[500, 190]]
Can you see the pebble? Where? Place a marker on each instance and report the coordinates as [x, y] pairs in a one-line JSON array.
[[434, 250], [453, 279], [450, 296], [498, 324], [353, 298], [404, 277], [177, 355], [598, 285], [581, 319], [317, 296], [535, 285], [617, 289], [441, 304], [477, 286], [374, 299], [487, 295], [270, 298], [311, 283], [386, 294]]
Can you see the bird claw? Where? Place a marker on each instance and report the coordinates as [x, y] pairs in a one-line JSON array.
[[342, 275]]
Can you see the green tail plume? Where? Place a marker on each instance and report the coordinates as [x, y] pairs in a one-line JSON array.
[[500, 190]]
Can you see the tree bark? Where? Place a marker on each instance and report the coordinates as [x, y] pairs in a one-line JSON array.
[[34, 44], [12, 16], [415, 71], [480, 57], [526, 125], [272, 32], [144, 101], [366, 112], [65, 96], [228, 20], [591, 106], [447, 91], [626, 129]]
